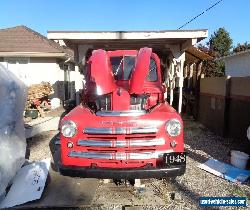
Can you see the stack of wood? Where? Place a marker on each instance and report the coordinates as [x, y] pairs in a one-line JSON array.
[[38, 93]]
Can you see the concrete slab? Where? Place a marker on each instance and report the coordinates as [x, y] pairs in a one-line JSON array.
[[40, 125], [61, 191]]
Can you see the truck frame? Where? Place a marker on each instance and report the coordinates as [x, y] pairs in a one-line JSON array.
[[123, 129]]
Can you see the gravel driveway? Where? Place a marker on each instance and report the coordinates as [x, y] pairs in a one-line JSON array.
[[181, 193], [184, 191]]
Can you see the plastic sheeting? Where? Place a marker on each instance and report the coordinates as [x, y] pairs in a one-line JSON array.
[[13, 95]]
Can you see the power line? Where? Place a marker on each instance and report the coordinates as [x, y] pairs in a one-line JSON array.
[[199, 14]]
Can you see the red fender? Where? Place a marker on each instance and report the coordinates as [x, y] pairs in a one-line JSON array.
[[101, 73], [141, 70]]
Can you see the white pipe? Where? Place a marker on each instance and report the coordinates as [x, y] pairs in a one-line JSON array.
[[181, 64], [171, 96], [180, 100], [166, 95]]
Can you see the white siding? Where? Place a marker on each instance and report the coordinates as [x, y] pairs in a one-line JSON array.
[[238, 65], [38, 70], [43, 69]]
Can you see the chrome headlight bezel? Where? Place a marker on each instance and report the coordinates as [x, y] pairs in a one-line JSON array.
[[173, 127], [68, 128]]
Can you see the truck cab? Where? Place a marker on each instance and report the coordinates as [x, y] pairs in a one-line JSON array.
[[123, 129]]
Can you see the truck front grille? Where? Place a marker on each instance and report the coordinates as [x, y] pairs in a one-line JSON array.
[[121, 143], [121, 130]]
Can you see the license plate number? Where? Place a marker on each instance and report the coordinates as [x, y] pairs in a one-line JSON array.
[[175, 158]]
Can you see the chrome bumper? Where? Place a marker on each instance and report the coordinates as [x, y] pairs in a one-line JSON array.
[[134, 173], [118, 155]]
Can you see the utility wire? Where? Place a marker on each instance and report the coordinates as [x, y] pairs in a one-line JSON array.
[[199, 15]]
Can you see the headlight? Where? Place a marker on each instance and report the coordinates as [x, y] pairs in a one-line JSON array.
[[68, 128], [173, 127]]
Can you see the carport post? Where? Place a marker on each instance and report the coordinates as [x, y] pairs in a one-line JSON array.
[[171, 81], [181, 65], [179, 60]]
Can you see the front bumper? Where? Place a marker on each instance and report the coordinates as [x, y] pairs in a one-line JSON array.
[[132, 173]]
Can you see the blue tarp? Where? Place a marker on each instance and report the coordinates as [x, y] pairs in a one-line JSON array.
[[225, 171]]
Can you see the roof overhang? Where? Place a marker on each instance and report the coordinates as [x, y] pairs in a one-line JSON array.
[[194, 54], [131, 39]]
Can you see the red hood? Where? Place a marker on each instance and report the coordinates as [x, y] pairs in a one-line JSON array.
[[101, 73], [141, 70]]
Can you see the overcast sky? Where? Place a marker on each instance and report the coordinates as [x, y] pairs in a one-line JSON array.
[[44, 15]]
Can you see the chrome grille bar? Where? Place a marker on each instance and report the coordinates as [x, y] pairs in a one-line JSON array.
[[121, 143], [151, 142], [121, 130], [94, 143], [118, 156], [125, 113], [90, 155], [137, 130], [98, 130]]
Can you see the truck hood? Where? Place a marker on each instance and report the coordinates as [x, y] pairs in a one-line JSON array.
[[101, 73], [141, 70]]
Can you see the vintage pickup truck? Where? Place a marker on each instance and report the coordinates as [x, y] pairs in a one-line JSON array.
[[123, 129]]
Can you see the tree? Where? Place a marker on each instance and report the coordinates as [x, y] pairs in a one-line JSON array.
[[219, 45], [241, 47], [220, 42], [209, 66]]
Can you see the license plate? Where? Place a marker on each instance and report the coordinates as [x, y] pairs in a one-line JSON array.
[[175, 158]]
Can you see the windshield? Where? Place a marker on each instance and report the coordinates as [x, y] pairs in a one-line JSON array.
[[122, 67]]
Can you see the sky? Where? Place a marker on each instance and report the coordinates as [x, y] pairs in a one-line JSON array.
[[117, 15]]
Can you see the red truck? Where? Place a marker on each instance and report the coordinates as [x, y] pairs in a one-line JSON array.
[[124, 129]]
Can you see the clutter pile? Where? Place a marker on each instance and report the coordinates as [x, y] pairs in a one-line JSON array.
[[38, 99]]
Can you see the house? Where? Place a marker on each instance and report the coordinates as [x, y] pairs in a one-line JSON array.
[[33, 58], [237, 64]]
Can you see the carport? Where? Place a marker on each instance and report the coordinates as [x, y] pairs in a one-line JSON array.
[[174, 47]]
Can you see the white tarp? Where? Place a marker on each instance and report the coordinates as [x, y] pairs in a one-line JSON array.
[[28, 184], [12, 136]]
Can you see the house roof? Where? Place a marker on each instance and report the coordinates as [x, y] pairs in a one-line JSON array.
[[25, 42], [234, 54]]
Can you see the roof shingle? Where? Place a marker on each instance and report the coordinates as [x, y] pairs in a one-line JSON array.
[[24, 39]]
